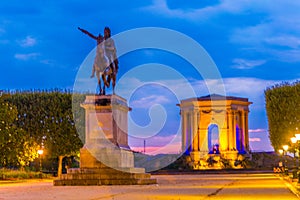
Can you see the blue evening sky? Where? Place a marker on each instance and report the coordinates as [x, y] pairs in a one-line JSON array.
[[254, 44]]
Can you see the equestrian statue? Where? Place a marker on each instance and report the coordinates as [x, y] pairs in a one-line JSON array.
[[106, 63]]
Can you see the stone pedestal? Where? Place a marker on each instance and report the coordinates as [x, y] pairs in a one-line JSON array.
[[105, 158], [198, 155], [230, 155]]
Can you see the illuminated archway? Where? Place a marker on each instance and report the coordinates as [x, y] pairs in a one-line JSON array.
[[213, 139]]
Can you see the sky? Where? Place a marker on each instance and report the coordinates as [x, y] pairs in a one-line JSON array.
[[254, 44]]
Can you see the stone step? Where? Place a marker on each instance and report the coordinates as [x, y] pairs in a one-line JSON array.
[[104, 182], [103, 176], [105, 170]]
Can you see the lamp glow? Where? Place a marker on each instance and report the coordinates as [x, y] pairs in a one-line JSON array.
[[285, 147], [40, 151], [294, 140]]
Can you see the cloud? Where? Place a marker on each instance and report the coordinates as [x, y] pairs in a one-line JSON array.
[[147, 102], [127, 85], [289, 56], [47, 62], [195, 14], [269, 30], [158, 144], [246, 64], [161, 7], [157, 140], [257, 130], [285, 41], [259, 140], [174, 148], [241, 86], [248, 87], [275, 35], [27, 56], [251, 88], [254, 139], [272, 31], [251, 35], [28, 42]]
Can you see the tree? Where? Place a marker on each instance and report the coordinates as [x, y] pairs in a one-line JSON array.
[[17, 148], [283, 111], [47, 116]]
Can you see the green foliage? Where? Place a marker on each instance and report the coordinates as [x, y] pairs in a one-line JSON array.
[[47, 116], [283, 111], [38, 119], [79, 114], [7, 174], [16, 146]]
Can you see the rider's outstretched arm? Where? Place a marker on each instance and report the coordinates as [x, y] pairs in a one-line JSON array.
[[88, 33]]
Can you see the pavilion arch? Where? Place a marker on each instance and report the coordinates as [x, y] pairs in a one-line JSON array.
[[213, 139]]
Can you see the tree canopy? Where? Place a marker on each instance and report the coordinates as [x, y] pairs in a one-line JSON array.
[[46, 116], [17, 147], [283, 111]]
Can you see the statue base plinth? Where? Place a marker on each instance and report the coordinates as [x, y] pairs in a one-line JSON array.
[[94, 172], [105, 158], [102, 176]]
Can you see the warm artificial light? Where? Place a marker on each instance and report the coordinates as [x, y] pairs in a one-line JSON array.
[[40, 151], [294, 140]]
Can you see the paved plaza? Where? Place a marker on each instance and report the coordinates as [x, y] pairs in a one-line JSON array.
[[192, 186]]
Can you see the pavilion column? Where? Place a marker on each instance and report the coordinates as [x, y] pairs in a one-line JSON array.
[[203, 139], [243, 131], [234, 130], [198, 130], [194, 131], [246, 132], [230, 130], [184, 135], [224, 142], [189, 131]]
